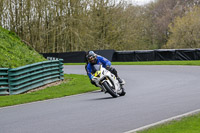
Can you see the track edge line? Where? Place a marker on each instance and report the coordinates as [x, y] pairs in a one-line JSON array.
[[164, 121]]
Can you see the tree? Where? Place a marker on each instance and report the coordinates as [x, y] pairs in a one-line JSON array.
[[164, 12], [184, 32]]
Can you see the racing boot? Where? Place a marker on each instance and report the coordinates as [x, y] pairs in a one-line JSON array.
[[120, 80]]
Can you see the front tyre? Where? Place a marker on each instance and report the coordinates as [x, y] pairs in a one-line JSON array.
[[109, 89], [123, 92]]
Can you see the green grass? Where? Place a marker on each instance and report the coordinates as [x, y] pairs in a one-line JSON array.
[[194, 63], [186, 125], [73, 84], [14, 53]]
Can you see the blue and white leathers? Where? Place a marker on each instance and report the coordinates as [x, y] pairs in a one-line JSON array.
[[100, 60]]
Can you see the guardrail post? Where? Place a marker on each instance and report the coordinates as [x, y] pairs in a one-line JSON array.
[[4, 86], [61, 69], [9, 81]]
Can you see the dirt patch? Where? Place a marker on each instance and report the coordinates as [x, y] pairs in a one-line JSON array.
[[45, 86]]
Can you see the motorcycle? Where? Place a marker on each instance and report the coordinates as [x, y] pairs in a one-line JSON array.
[[107, 81]]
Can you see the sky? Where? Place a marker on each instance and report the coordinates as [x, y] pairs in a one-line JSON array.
[[139, 2]]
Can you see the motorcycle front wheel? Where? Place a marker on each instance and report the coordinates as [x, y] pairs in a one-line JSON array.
[[123, 92], [109, 89]]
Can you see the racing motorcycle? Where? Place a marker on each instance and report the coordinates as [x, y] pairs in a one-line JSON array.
[[107, 81]]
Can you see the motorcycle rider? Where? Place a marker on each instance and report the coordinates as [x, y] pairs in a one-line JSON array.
[[93, 59]]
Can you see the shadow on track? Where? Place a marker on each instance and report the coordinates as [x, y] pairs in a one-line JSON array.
[[104, 98], [97, 91]]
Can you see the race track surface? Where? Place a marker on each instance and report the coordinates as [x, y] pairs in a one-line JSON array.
[[154, 93]]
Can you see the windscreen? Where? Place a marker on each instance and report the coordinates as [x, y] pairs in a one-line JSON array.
[[95, 68]]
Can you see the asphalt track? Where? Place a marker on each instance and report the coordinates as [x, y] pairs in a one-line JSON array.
[[154, 93]]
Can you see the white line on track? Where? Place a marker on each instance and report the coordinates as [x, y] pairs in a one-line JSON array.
[[164, 121]]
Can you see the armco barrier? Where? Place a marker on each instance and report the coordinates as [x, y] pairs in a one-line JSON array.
[[4, 89], [22, 79]]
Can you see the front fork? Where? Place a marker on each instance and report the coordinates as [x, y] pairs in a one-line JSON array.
[[110, 84]]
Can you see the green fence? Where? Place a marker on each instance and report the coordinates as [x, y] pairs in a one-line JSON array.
[[4, 87], [22, 79]]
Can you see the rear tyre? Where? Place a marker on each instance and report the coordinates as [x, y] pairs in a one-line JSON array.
[[109, 89]]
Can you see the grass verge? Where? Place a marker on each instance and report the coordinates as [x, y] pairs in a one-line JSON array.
[[194, 63], [73, 84], [14, 53], [189, 124]]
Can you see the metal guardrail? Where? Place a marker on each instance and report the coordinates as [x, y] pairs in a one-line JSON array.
[[25, 78], [4, 87]]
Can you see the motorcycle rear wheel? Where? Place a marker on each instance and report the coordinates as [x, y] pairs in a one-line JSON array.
[[109, 90]]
